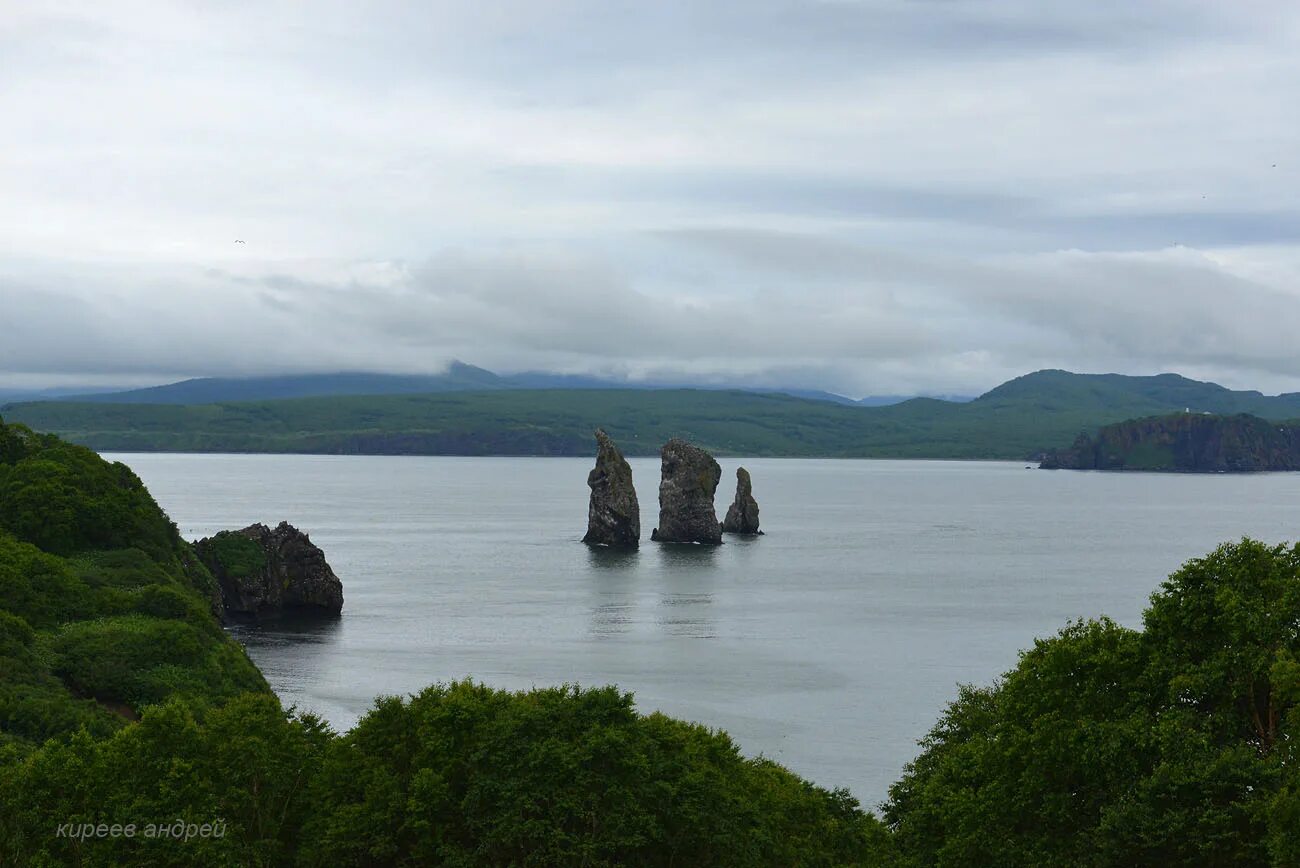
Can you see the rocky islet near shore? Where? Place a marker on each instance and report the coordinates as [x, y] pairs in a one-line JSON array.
[[265, 572]]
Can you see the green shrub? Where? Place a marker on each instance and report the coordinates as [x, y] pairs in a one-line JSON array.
[[237, 555], [140, 660]]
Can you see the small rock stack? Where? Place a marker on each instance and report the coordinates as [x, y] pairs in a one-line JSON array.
[[742, 515]]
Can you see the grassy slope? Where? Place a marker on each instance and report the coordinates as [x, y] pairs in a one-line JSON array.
[[1026, 415]]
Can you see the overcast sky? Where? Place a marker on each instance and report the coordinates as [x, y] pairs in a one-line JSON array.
[[867, 196]]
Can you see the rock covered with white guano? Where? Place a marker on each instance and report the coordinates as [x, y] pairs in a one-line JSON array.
[[688, 480]]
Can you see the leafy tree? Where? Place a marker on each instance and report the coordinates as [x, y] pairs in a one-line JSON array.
[[466, 775], [244, 765], [1105, 746], [1022, 772]]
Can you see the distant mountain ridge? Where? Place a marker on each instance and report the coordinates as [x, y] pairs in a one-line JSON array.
[[212, 390], [459, 377], [54, 393], [1029, 415], [1171, 391]]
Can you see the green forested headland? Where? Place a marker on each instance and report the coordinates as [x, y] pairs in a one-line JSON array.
[[123, 703], [1185, 443], [1022, 417]]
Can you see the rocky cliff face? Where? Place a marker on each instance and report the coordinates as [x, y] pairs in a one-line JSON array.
[[742, 515], [265, 572], [1185, 442], [613, 515], [689, 477]]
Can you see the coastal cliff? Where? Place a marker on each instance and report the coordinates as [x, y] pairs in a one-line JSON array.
[[1184, 443]]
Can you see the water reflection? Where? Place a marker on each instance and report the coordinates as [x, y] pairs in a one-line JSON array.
[[288, 629], [688, 615], [677, 555], [686, 595], [613, 617], [608, 558], [613, 590]]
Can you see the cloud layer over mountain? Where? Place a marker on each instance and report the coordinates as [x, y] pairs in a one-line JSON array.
[[859, 195]]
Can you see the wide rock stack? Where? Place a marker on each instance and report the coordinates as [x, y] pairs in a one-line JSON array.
[[742, 515], [265, 572], [689, 478], [613, 516]]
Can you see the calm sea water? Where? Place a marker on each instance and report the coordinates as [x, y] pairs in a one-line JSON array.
[[831, 644]]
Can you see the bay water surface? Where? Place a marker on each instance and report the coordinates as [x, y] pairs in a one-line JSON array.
[[831, 644]]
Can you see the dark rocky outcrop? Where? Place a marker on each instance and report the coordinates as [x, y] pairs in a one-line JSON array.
[[613, 516], [264, 572], [1186, 443], [689, 478], [742, 515]]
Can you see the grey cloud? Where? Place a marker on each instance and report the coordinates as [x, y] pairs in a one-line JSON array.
[[865, 195], [859, 321], [1154, 311], [934, 213]]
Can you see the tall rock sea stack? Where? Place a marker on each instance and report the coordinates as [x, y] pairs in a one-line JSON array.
[[689, 479], [267, 572], [614, 516], [742, 515]]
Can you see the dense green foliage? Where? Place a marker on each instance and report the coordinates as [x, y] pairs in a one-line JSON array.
[[1024, 416], [465, 775], [244, 764], [105, 609], [235, 554], [65, 499], [459, 775], [1187, 443], [1174, 745]]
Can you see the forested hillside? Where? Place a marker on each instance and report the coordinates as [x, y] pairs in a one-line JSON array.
[[1185, 443]]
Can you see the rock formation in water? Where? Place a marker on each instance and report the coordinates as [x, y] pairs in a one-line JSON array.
[[267, 572], [686, 487], [613, 516], [1185, 443], [742, 515]]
